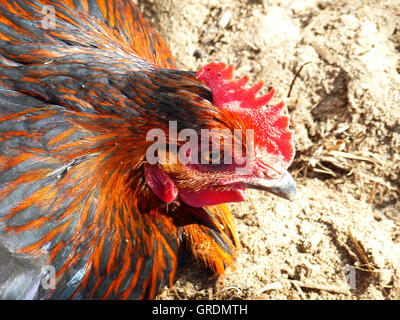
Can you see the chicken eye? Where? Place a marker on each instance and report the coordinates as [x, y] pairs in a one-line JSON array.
[[211, 157]]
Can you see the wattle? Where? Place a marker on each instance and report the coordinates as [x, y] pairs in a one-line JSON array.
[[204, 198]]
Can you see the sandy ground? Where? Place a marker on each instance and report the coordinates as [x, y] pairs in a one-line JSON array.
[[341, 238]]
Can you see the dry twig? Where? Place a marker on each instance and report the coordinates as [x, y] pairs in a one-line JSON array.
[[361, 253]]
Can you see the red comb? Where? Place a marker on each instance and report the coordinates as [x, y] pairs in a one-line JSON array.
[[271, 127]]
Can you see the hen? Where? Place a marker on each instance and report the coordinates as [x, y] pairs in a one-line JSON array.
[[85, 212]]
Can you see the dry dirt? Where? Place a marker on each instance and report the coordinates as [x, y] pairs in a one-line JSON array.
[[341, 238]]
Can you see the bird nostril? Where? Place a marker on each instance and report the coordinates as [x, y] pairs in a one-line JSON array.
[[267, 173], [260, 174], [273, 174]]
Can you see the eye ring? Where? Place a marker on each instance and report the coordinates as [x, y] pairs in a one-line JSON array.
[[211, 156]]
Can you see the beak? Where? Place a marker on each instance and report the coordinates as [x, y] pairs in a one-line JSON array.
[[284, 186]]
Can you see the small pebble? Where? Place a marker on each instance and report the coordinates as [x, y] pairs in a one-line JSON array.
[[225, 19]]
